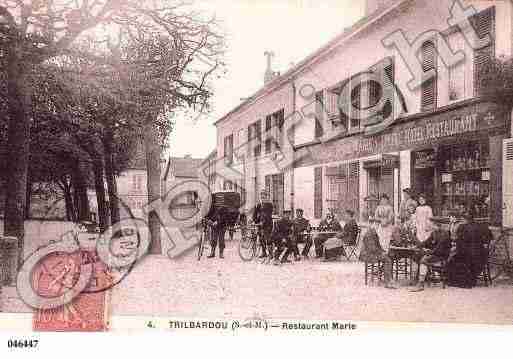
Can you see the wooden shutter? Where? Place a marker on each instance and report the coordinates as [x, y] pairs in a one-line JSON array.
[[278, 193], [319, 114], [267, 184], [484, 24], [342, 187], [318, 192], [344, 103], [258, 136], [496, 167], [429, 85], [250, 137], [387, 183], [353, 187]]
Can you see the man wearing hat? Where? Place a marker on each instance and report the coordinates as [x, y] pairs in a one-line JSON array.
[[373, 252], [407, 204], [263, 215], [301, 225], [434, 250], [282, 237], [330, 224]]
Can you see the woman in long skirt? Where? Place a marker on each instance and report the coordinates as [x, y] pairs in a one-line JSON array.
[[422, 215]]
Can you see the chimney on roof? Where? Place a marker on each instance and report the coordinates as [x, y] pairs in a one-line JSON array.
[[269, 73]]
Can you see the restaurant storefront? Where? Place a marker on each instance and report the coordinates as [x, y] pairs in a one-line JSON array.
[[453, 155]]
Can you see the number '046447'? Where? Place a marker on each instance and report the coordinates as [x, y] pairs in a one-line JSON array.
[[22, 343]]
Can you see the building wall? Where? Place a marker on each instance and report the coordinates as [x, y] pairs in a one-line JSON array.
[[251, 172], [366, 49]]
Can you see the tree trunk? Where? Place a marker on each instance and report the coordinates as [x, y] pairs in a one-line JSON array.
[[112, 187], [152, 149], [80, 192], [100, 193], [18, 100], [68, 200], [29, 199]]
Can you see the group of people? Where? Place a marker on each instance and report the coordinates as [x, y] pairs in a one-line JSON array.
[[463, 245], [462, 248], [279, 239]]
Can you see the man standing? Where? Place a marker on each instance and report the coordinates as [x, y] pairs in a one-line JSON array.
[[282, 236], [219, 226], [301, 225], [263, 215]]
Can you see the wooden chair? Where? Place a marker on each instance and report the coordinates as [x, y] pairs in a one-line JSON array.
[[375, 269], [437, 273], [350, 249]]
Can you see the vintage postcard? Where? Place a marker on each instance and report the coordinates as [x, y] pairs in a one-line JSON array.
[[240, 165]]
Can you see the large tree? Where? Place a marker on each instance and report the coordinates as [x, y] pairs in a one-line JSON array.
[[166, 40]]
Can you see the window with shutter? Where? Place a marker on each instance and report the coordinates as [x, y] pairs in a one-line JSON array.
[[257, 151], [318, 192], [484, 24], [319, 114], [429, 85], [353, 187], [356, 102], [228, 149]]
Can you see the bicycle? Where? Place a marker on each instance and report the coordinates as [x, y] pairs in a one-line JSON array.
[[205, 235], [499, 259], [249, 244]]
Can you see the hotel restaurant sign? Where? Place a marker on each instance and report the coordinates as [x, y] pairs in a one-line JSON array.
[[426, 131], [466, 122]]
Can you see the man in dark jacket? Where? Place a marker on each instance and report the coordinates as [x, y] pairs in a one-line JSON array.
[[330, 224], [218, 219], [472, 241], [263, 215], [282, 236], [435, 250], [301, 225]]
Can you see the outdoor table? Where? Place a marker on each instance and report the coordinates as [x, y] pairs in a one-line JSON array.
[[397, 253]]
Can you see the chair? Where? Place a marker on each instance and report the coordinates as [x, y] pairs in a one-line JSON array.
[[437, 273], [351, 248], [374, 269], [402, 266]]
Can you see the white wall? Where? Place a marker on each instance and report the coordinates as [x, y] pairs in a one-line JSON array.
[[366, 49]]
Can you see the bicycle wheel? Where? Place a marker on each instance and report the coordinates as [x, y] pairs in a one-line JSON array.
[[201, 244], [497, 258], [247, 248]]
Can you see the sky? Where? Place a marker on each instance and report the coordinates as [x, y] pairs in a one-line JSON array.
[[292, 29]]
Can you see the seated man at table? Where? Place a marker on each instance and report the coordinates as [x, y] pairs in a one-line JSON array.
[[301, 225], [330, 224], [334, 247], [434, 251], [372, 252], [282, 238]]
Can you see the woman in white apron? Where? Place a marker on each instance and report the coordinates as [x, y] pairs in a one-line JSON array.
[[422, 215]]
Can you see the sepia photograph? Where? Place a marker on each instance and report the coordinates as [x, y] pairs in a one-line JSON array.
[[245, 166]]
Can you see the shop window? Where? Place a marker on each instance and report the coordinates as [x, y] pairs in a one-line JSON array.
[[465, 178]]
